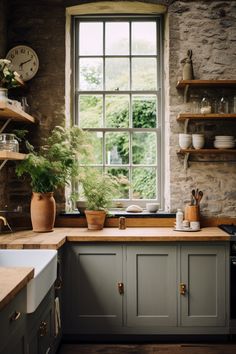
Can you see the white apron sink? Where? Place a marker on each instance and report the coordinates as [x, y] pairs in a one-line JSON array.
[[44, 263]]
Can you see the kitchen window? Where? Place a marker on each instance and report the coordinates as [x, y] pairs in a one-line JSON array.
[[117, 97]]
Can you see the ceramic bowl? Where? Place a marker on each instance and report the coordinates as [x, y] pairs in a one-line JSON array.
[[152, 207], [185, 141]]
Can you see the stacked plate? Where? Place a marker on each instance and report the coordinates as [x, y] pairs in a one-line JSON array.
[[224, 142]]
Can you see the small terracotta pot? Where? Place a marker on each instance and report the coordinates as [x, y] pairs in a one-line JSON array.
[[95, 219], [192, 213], [43, 212]]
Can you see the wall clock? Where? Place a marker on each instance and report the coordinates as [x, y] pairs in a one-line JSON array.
[[24, 61]]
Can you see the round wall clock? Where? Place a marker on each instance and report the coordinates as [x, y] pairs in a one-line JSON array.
[[24, 61]]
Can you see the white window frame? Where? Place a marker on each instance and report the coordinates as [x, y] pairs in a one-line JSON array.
[[70, 84]]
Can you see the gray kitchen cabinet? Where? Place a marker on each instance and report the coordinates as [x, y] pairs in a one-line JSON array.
[[203, 285], [151, 285], [40, 327], [93, 286], [146, 288], [12, 325]]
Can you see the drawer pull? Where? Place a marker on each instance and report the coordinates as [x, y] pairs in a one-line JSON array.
[[15, 316], [43, 329]]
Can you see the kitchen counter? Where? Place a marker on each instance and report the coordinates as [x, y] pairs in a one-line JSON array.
[[56, 239], [12, 280]]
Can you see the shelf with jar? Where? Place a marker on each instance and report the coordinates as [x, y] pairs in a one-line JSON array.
[[9, 147]]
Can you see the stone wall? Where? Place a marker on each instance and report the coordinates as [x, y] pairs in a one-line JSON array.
[[207, 27]]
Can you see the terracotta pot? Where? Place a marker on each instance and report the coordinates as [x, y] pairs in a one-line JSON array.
[[43, 212], [95, 219], [192, 213]]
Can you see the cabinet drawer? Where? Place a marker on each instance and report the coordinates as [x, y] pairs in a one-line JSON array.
[[12, 317]]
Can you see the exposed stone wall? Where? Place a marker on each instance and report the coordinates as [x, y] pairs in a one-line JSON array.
[[207, 27]]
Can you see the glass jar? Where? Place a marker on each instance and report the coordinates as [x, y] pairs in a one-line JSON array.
[[8, 142], [223, 105], [205, 107], [195, 104]]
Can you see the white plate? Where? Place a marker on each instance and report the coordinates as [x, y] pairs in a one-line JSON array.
[[187, 230]]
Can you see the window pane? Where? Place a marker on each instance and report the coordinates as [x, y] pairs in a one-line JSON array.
[[123, 176], [90, 111], [117, 111], [144, 74], [117, 74], [90, 74], [117, 38], [117, 148], [144, 38], [90, 38], [144, 148], [144, 111], [144, 181], [97, 139]]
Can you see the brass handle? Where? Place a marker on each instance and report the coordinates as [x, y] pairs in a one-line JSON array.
[[15, 316], [182, 288], [120, 286], [58, 283], [43, 329]]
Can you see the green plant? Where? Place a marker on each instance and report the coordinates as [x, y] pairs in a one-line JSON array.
[[56, 161], [98, 189], [8, 77]]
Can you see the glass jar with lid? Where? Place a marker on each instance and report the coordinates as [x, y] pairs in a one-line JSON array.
[[8, 142], [205, 106], [223, 105]]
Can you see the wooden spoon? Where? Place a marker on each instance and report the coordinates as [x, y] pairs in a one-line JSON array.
[[200, 195]]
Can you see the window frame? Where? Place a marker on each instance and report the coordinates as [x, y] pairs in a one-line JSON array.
[[158, 93]]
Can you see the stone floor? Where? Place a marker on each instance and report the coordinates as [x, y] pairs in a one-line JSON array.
[[225, 348]]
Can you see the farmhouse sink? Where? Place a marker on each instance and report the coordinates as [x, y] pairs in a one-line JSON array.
[[44, 263]]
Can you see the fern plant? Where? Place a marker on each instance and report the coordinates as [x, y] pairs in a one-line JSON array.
[[56, 161], [98, 189]]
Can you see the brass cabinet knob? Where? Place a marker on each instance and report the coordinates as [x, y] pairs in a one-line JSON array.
[[182, 288], [120, 286], [43, 329]]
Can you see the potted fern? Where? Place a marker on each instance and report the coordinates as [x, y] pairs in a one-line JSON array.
[[50, 167], [98, 190]]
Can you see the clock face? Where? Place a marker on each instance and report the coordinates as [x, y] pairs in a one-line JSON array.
[[24, 61]]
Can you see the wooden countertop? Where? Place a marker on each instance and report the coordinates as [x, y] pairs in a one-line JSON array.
[[54, 240], [12, 280]]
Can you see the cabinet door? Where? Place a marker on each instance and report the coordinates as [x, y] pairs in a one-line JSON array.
[[40, 334], [95, 304], [151, 285], [203, 273]]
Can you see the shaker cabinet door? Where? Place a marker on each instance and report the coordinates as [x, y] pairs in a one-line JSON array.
[[95, 303], [151, 285], [203, 276]]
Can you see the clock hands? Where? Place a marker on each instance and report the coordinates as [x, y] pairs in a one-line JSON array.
[[24, 62]]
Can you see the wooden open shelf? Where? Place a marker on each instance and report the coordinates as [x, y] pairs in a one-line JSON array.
[[11, 155], [212, 116], [9, 111], [206, 151], [205, 83]]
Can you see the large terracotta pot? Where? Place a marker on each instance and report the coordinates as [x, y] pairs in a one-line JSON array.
[[43, 211], [95, 219]]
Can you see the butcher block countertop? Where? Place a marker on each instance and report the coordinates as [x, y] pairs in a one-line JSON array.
[[56, 239], [12, 280]]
